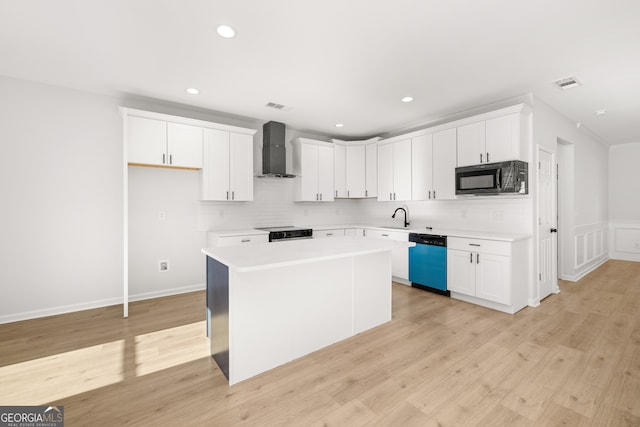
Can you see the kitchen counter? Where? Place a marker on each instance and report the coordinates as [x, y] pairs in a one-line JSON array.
[[239, 232], [280, 254], [449, 232], [270, 303]]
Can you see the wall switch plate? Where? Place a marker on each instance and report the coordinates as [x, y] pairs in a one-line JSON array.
[[164, 265]]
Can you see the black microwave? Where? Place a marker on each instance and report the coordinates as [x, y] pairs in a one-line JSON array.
[[510, 177]]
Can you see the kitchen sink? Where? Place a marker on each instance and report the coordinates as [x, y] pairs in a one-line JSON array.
[[394, 228]]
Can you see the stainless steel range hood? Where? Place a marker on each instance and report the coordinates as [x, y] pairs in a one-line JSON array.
[[274, 158]]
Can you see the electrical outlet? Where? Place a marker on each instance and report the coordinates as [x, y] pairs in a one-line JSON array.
[[164, 265]]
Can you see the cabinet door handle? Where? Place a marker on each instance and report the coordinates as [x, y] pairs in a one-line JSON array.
[[384, 235], [227, 195], [477, 258], [471, 257], [480, 157], [473, 244], [347, 193], [366, 193], [245, 240], [320, 196], [336, 193], [163, 158], [170, 159], [233, 195], [329, 234], [487, 157], [434, 194], [429, 194], [394, 195]]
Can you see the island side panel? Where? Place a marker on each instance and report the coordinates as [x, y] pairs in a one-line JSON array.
[[280, 314], [218, 313], [372, 290]]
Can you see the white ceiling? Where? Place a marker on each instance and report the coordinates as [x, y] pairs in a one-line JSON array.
[[339, 61]]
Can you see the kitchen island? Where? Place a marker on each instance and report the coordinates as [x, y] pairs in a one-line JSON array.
[[270, 303]]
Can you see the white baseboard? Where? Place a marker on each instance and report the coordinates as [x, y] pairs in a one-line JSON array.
[[63, 309], [167, 292], [53, 311], [580, 275], [622, 256]]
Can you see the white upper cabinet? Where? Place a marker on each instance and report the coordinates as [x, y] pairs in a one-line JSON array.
[[394, 170], [503, 138], [444, 164], [433, 164], [313, 163], [241, 166], [495, 139], [422, 167], [471, 144], [184, 145], [228, 166], [356, 170], [160, 143], [371, 170], [340, 170]]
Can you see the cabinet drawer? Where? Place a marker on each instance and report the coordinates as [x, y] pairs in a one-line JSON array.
[[479, 245], [328, 233], [383, 234], [239, 240]]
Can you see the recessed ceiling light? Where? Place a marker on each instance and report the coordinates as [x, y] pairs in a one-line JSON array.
[[226, 31], [339, 125], [192, 91], [600, 112], [407, 99]]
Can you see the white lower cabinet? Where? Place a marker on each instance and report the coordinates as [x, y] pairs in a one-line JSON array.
[[399, 257], [488, 272], [334, 232], [354, 232]]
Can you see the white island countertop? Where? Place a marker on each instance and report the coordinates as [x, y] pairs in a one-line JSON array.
[[279, 254]]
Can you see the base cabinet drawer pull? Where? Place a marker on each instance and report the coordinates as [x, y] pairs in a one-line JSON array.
[[473, 244], [245, 240], [385, 235]]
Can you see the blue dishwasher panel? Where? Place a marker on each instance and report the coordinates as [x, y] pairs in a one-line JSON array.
[[428, 266]]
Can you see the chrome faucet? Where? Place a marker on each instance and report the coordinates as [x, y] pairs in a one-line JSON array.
[[406, 223]]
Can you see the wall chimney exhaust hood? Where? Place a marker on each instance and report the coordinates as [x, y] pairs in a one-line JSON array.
[[274, 157]]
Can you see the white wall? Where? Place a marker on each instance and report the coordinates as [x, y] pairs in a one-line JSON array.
[[585, 244], [624, 201], [498, 214], [61, 216]]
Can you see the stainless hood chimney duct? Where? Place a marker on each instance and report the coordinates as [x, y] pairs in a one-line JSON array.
[[274, 158]]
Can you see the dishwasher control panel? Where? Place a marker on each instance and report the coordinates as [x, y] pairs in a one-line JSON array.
[[428, 239]]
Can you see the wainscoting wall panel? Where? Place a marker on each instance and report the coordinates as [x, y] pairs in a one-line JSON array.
[[625, 241]]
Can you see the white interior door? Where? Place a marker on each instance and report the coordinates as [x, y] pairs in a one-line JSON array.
[[547, 235]]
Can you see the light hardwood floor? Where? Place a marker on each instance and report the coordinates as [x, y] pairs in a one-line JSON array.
[[575, 360]]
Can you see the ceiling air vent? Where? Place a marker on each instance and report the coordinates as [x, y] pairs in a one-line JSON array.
[[567, 83], [277, 106]]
